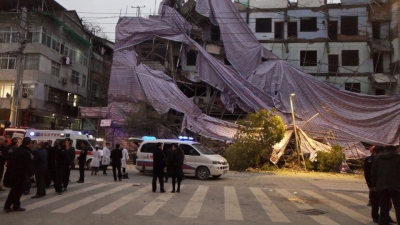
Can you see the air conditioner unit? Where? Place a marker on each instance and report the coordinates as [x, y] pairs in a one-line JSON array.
[[64, 81]]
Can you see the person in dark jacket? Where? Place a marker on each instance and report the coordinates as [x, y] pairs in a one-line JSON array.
[[61, 164], [116, 156], [40, 168], [165, 152], [385, 175], [19, 161], [51, 160], [175, 166], [71, 153], [81, 161], [7, 181], [3, 155], [158, 168]]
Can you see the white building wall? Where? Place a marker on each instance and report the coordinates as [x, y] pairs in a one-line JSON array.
[[296, 15], [362, 13], [263, 4], [310, 3]]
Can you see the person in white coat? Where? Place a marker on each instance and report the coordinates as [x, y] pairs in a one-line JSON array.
[[96, 160], [125, 157], [106, 158]]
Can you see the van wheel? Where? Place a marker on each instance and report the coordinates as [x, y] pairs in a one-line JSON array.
[[147, 172], [89, 164], [217, 176], [202, 173]]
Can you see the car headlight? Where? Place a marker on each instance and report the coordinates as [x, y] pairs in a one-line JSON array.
[[216, 163]]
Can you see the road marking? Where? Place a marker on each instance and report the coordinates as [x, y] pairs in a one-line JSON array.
[[269, 207], [232, 207], [349, 212], [151, 208], [321, 219], [92, 198], [60, 197], [25, 197], [122, 201], [365, 195], [356, 201], [193, 207]]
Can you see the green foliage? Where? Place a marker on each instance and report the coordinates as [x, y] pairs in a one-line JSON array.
[[146, 121], [327, 161], [255, 138]]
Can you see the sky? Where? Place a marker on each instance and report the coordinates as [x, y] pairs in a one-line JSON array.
[[106, 12]]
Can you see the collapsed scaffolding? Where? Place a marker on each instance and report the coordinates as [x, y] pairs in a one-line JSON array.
[[255, 79]]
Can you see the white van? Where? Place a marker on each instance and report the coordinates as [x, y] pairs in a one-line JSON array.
[[58, 135], [199, 160]]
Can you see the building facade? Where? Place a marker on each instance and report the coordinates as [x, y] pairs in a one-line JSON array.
[[349, 43], [56, 63]]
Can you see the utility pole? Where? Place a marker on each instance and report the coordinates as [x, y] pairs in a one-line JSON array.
[[20, 69], [138, 10]]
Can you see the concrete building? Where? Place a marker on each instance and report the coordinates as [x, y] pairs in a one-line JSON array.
[[56, 62], [349, 43]]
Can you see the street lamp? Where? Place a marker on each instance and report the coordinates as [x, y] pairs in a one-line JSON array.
[[294, 127]]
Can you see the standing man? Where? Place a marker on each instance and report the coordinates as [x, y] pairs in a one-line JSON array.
[[3, 155], [116, 156], [158, 168], [71, 164], [61, 164], [51, 159], [40, 168], [82, 161], [386, 180], [106, 158], [19, 167]]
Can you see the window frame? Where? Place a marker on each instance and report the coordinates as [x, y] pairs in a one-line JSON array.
[[263, 25], [55, 69], [307, 62], [348, 57], [305, 26]]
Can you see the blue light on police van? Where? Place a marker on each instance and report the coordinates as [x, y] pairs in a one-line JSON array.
[[191, 139], [186, 138], [32, 133], [148, 138]]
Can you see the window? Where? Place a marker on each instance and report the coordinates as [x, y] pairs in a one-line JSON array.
[[33, 35], [8, 35], [97, 65], [148, 147], [308, 24], [292, 30], [83, 81], [191, 58], [32, 61], [188, 150], [215, 33], [55, 69], [55, 44], [79, 143], [333, 30], [93, 87], [308, 58], [279, 30], [85, 59], [203, 149], [353, 87], [75, 77], [333, 64], [46, 37], [7, 62], [29, 90], [379, 91], [349, 25], [350, 58], [6, 90], [263, 25]]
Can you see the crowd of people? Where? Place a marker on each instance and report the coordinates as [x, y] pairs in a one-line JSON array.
[[382, 174], [50, 164]]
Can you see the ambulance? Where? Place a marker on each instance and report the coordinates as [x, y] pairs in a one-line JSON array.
[[200, 161], [77, 138]]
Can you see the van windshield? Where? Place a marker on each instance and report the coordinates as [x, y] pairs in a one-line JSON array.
[[203, 149], [92, 142]]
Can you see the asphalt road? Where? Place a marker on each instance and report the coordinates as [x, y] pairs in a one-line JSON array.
[[235, 198]]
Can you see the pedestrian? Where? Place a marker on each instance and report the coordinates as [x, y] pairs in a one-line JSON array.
[[106, 158], [81, 161], [95, 160], [3, 155], [165, 151], [175, 166], [30, 177], [125, 158], [40, 168], [116, 156], [51, 160], [19, 166], [61, 164], [71, 158], [8, 177], [385, 175], [158, 168]]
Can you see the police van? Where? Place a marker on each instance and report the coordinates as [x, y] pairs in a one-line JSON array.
[[77, 138], [199, 160]]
